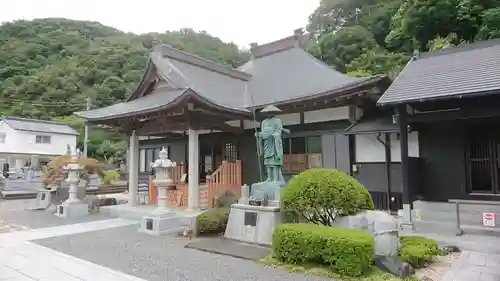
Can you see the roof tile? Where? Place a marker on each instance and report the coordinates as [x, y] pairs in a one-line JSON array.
[[453, 72]]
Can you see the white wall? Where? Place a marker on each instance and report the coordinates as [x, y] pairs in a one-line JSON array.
[[329, 114], [24, 142], [369, 149], [315, 116]]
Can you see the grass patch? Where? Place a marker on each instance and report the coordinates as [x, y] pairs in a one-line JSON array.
[[314, 269]]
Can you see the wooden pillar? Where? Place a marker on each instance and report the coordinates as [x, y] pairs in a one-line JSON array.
[[405, 163], [133, 168], [193, 169], [387, 145]]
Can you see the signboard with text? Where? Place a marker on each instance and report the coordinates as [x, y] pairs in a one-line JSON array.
[[489, 219]]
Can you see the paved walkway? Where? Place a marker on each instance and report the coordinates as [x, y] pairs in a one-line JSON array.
[[475, 266], [21, 260]]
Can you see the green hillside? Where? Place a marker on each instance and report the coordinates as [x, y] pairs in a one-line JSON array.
[[49, 66]]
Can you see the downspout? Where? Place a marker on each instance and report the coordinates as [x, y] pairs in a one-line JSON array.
[[387, 146]]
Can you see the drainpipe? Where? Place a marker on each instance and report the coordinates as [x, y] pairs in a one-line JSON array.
[[387, 146]]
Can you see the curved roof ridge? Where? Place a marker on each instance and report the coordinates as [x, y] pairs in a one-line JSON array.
[[173, 53]]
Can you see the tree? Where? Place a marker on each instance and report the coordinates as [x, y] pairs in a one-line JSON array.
[[340, 48], [365, 37], [377, 61], [490, 28]]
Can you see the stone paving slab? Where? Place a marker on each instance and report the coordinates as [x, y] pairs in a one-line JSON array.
[[12, 239], [229, 248], [30, 262], [13, 205], [475, 266], [159, 258]]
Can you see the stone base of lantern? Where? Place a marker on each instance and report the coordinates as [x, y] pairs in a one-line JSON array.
[[164, 224], [72, 210]]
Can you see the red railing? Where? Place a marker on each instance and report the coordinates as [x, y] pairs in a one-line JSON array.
[[226, 177]]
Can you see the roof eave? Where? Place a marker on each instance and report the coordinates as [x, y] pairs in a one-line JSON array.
[[442, 97], [48, 132], [372, 80], [185, 97]]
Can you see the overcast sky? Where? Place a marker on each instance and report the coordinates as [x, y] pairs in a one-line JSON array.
[[242, 22]]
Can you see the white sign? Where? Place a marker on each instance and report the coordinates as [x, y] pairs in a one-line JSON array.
[[489, 219]]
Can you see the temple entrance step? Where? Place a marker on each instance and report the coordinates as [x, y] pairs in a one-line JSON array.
[[426, 206], [441, 217], [450, 228]]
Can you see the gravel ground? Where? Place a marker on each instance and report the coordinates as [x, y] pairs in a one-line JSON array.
[[160, 258], [6, 227], [41, 218]]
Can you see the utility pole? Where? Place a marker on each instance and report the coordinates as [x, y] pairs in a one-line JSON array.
[[88, 106]]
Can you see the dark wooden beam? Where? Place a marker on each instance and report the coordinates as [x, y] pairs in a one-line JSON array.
[[454, 114], [161, 126]]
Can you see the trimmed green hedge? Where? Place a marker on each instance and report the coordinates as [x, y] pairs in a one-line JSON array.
[[347, 252], [213, 221], [417, 250]]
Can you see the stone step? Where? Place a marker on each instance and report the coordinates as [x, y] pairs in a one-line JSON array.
[[450, 207], [18, 194], [450, 229]]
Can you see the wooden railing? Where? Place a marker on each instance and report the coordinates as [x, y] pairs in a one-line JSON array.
[[174, 196], [227, 177]]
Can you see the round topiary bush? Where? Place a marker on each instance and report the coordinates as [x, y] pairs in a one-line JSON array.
[[319, 195]]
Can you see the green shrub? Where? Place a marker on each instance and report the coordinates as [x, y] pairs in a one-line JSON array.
[[109, 175], [213, 221], [417, 250], [345, 251], [319, 195]]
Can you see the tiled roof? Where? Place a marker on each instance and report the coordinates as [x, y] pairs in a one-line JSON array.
[[453, 72], [278, 72], [33, 125]]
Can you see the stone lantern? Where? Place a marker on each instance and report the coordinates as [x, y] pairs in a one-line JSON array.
[[161, 220], [162, 181], [72, 207], [73, 169]]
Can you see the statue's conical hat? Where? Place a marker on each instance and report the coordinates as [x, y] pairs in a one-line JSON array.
[[270, 108]]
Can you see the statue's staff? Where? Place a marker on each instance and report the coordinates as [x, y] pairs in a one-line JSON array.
[[257, 142], [257, 139]]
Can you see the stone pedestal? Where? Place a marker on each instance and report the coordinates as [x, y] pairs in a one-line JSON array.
[[72, 210], [159, 224], [253, 224], [43, 198]]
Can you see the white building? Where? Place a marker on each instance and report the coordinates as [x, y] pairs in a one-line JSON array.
[[25, 140]]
